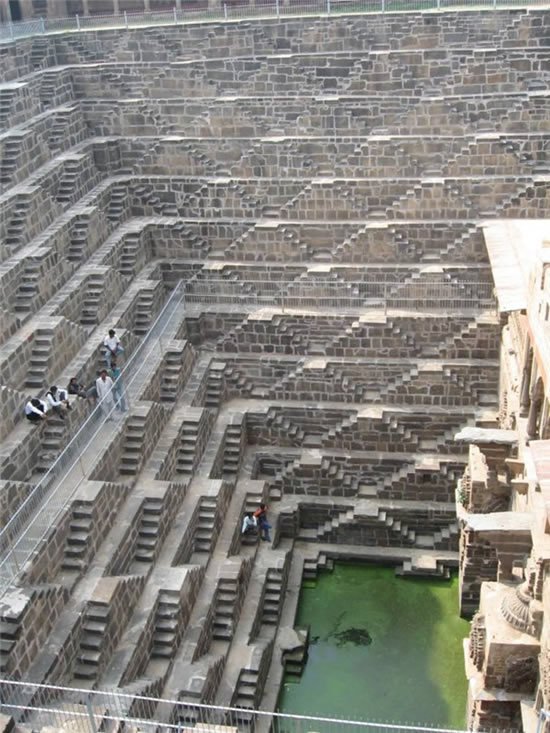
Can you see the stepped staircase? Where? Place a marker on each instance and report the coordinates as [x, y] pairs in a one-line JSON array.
[[16, 228], [345, 426], [225, 609], [6, 99], [67, 189], [205, 532], [117, 203], [38, 372], [148, 530], [232, 448], [214, 388], [49, 82], [273, 596], [52, 440], [91, 300], [170, 378], [167, 629], [312, 566], [28, 287], [78, 539], [58, 131], [188, 445], [144, 312], [94, 626], [133, 448], [79, 238], [11, 149], [129, 254]]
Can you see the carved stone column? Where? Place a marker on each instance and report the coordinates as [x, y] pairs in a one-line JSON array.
[[526, 382], [534, 409]]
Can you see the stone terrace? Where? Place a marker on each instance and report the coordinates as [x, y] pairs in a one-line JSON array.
[[322, 188]]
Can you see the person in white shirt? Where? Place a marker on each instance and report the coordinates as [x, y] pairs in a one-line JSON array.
[[57, 401], [104, 387], [250, 524], [36, 410], [113, 347]]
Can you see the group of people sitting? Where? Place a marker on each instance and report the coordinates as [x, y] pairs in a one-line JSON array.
[[256, 523], [55, 401], [107, 388]]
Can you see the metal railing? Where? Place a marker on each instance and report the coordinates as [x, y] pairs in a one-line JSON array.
[[48, 500], [243, 10], [88, 711], [349, 294]]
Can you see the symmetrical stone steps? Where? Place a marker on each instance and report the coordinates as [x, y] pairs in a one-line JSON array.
[[167, 629], [398, 524], [206, 530], [368, 476], [311, 168], [232, 447]]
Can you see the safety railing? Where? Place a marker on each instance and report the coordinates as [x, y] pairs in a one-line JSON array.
[[345, 294], [49, 498], [202, 11], [86, 711]]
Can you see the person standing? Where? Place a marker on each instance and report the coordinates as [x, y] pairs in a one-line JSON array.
[[118, 387], [104, 387], [112, 347], [261, 517]]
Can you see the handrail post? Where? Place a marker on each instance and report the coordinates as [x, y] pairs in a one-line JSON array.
[[328, 7], [11, 30], [277, 7], [225, 11], [175, 15], [43, 25], [126, 19], [77, 22]]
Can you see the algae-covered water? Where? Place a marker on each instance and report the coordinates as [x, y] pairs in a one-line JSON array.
[[381, 648]]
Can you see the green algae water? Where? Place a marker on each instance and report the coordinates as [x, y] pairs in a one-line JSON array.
[[382, 648]]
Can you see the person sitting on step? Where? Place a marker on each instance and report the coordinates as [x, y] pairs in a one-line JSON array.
[[112, 347], [36, 410], [250, 525], [57, 400]]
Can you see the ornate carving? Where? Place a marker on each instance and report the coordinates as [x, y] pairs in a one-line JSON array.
[[521, 675], [521, 612], [477, 640]]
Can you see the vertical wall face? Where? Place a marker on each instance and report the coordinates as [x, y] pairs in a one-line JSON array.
[[321, 188]]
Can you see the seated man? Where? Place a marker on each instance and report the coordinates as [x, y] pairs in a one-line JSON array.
[[57, 400], [249, 526], [112, 347], [36, 410], [75, 388]]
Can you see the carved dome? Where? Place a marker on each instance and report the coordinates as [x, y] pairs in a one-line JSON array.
[[515, 608]]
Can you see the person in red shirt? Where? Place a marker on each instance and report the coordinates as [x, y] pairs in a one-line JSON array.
[[261, 517]]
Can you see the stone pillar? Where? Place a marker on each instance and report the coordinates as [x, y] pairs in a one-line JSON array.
[[86, 7], [147, 5], [534, 409], [526, 382], [116, 7]]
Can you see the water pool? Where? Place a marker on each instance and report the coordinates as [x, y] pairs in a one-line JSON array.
[[381, 648]]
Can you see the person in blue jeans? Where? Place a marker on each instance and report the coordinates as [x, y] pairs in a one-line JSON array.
[[261, 517], [118, 387]]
